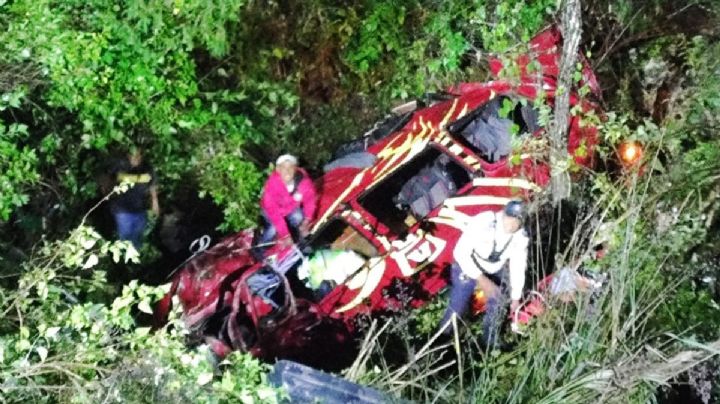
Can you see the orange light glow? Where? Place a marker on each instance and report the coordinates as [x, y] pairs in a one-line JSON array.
[[479, 301], [630, 152]]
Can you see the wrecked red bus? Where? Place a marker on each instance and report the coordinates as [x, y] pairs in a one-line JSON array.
[[392, 219]]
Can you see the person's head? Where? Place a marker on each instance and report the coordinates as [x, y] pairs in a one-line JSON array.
[[286, 166], [513, 216], [135, 156]]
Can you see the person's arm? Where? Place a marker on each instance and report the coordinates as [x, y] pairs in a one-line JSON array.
[[309, 204], [517, 266], [154, 200], [111, 180], [153, 188]]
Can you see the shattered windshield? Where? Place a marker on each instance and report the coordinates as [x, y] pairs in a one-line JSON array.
[[489, 129], [339, 235]]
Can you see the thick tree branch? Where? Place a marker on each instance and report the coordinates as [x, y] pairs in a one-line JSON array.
[[571, 28]]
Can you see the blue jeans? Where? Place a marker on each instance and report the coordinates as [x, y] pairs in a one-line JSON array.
[[462, 289], [294, 219], [130, 226]]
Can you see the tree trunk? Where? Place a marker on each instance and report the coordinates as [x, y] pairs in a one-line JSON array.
[[570, 27]]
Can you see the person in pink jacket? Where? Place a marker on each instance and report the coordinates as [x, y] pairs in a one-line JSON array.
[[288, 202]]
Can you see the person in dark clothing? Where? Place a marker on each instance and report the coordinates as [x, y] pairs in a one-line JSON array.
[[129, 209]]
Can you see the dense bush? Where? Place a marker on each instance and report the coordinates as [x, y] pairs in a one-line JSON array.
[[67, 336], [195, 84]]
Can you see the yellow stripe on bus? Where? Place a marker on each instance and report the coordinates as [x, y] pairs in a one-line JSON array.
[[371, 280]]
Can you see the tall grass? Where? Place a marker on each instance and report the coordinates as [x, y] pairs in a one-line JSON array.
[[603, 348]]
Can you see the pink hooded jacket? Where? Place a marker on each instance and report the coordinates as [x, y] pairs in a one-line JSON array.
[[277, 202]]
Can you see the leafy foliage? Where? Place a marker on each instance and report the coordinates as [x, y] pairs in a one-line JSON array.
[[419, 43], [18, 168], [67, 338], [127, 71], [195, 87]]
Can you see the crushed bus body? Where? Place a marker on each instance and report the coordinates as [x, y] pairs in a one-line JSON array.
[[396, 219]]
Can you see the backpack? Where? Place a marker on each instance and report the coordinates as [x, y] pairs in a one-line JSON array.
[[426, 190], [490, 136]]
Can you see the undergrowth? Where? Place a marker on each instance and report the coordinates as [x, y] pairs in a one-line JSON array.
[[619, 345]]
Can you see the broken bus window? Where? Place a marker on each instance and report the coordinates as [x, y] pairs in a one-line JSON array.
[[488, 130], [339, 235], [415, 189]]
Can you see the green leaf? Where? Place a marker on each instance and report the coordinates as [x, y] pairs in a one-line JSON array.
[[42, 352], [144, 306], [204, 378], [51, 332], [228, 382], [577, 76], [23, 345], [91, 261], [142, 331]]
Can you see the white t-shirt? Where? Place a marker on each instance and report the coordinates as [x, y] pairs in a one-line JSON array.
[[477, 240]]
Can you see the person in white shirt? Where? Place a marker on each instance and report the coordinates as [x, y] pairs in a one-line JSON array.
[[491, 242]]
